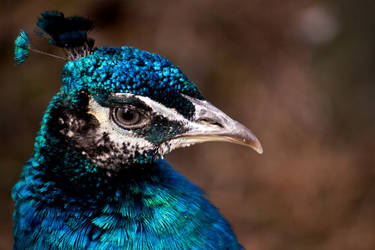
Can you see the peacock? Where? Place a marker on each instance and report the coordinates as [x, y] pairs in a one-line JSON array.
[[97, 178]]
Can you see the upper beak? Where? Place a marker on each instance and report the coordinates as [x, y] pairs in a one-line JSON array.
[[211, 124]]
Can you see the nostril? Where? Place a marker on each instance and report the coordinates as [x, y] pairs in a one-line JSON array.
[[209, 121]]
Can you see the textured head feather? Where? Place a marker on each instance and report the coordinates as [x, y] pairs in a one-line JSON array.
[[129, 70]]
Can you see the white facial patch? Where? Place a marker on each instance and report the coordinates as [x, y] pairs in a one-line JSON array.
[[116, 134]]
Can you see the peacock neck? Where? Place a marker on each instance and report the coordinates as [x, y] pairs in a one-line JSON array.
[[80, 188]]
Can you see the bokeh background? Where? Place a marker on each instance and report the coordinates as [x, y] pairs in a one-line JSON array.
[[300, 74]]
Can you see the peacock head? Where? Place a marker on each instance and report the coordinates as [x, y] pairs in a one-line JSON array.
[[123, 106]]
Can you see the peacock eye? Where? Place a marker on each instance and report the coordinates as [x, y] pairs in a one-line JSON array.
[[128, 117]]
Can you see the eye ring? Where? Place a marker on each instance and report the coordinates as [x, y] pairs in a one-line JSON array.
[[128, 117]]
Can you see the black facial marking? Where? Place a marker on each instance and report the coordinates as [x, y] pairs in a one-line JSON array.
[[80, 130], [120, 100], [83, 132], [160, 129]]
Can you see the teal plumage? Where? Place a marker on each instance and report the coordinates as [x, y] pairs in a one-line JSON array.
[[97, 179], [21, 47]]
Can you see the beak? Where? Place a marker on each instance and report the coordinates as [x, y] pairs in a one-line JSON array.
[[211, 124]]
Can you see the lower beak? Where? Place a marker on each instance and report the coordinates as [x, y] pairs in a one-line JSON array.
[[211, 124]]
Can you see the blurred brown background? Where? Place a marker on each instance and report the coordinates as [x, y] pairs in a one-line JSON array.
[[300, 74]]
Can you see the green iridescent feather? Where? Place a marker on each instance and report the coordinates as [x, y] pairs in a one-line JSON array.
[[21, 47]]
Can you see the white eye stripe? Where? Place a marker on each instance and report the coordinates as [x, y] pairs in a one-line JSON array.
[[169, 113]]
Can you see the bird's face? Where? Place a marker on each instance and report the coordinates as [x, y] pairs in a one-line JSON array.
[[160, 111]]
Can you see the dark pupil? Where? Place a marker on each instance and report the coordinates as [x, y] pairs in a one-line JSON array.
[[127, 115]]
